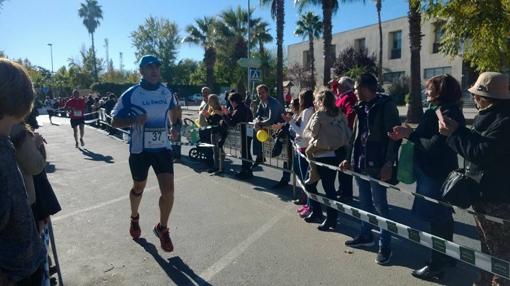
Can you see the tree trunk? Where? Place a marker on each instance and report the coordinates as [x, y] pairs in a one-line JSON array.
[[94, 58], [415, 109], [279, 53], [327, 11], [210, 61], [379, 68], [312, 61]]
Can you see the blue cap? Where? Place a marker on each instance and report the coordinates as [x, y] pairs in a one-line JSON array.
[[149, 59]]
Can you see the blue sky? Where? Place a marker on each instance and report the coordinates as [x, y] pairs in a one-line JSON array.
[[27, 26]]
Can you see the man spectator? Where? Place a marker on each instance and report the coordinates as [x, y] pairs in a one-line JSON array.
[[374, 154], [345, 101], [269, 112]]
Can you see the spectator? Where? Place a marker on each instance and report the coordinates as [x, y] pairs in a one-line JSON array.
[[297, 125], [214, 117], [269, 112], [322, 127], [324, 141], [31, 157], [345, 101], [282, 131], [433, 161], [241, 114], [21, 250], [485, 149], [374, 154]]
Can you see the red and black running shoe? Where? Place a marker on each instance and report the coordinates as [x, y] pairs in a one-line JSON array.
[[164, 237], [134, 229]]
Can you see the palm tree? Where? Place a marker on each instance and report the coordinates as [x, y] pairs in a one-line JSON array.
[[378, 6], [203, 33], [278, 13], [260, 34], [329, 7], [310, 26], [415, 109], [91, 12]]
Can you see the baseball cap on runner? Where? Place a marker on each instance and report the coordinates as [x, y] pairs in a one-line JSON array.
[[149, 59]]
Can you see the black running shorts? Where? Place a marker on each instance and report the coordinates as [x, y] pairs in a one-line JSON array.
[[161, 162], [76, 122]]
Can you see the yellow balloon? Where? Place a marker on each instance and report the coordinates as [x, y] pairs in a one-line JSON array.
[[197, 122], [262, 135]]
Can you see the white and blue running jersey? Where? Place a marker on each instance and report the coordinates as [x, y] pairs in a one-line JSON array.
[[153, 135]]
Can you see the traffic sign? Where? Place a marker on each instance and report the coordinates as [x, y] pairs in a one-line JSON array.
[[249, 62], [254, 74]]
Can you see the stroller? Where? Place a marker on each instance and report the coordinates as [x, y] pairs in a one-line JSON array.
[[199, 138]]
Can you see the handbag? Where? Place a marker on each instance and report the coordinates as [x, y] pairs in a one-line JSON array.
[[459, 189], [405, 171]]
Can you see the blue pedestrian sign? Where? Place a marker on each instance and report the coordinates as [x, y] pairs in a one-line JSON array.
[[254, 74]]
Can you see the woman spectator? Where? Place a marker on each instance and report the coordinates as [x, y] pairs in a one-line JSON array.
[[21, 250], [297, 126], [31, 157], [321, 128], [485, 149], [241, 114], [214, 117], [433, 161]]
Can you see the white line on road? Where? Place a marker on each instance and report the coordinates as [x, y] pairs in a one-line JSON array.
[[61, 217], [237, 251]]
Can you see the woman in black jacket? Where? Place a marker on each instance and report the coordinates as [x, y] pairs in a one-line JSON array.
[[241, 114], [433, 161], [486, 151]]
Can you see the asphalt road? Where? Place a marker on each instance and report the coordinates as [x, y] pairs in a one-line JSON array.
[[225, 231]]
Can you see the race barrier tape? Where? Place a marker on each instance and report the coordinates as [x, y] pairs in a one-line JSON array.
[[389, 186], [468, 255]]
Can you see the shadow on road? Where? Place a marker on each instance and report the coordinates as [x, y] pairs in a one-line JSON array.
[[176, 269], [96, 156]]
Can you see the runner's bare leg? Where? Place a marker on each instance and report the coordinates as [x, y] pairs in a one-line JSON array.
[[166, 200]]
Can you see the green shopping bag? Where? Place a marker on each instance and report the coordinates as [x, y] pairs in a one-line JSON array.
[[405, 171]]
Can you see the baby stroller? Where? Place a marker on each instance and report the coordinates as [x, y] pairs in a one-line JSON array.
[[199, 138]]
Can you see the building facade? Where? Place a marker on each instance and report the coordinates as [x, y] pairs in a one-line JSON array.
[[396, 50]]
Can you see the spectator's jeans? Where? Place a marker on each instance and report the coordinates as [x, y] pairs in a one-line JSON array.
[[372, 198], [257, 146], [217, 151], [328, 177], [245, 150], [440, 217], [345, 185]]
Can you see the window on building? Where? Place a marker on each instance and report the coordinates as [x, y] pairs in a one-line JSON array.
[[306, 59], [360, 44], [396, 45], [392, 77], [438, 35], [428, 73]]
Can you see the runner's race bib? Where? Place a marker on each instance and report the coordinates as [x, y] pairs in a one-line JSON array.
[[77, 113], [154, 138]]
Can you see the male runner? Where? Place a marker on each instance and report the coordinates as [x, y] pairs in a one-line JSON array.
[[146, 108], [76, 106]]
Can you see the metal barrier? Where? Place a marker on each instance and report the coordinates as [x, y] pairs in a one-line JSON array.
[[232, 147]]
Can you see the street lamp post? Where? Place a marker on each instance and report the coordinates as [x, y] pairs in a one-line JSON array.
[[248, 88], [51, 54]]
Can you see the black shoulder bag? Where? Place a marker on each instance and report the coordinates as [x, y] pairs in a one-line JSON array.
[[459, 189]]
